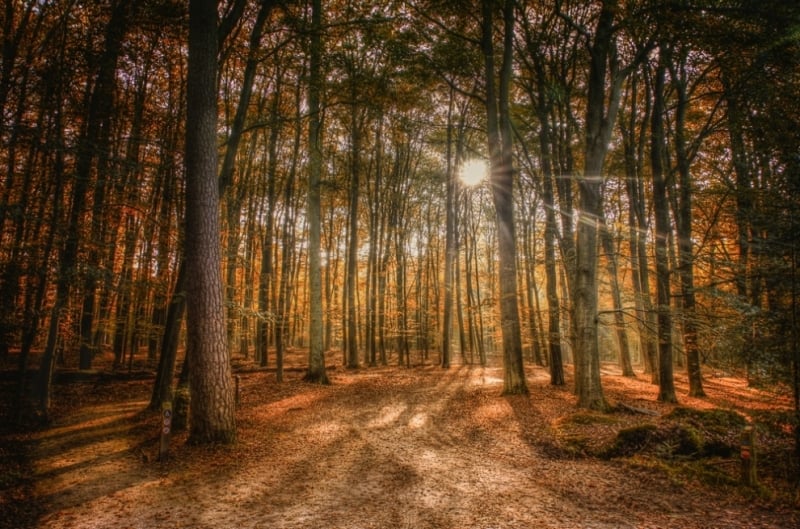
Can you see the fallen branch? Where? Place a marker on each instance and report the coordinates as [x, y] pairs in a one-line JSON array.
[[632, 409]]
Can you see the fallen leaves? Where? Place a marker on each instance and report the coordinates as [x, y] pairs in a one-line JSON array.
[[393, 447]]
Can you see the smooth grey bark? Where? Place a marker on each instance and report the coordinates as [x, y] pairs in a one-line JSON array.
[[502, 180], [600, 118]]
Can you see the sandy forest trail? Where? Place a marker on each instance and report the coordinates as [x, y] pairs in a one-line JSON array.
[[381, 448]]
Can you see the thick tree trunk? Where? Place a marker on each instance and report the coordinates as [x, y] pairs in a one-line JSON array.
[[502, 179], [600, 118], [316, 353], [212, 405], [556, 361]]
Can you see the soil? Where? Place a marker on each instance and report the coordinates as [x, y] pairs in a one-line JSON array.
[[391, 447]]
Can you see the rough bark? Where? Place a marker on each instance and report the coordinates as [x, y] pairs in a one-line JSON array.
[[211, 385]]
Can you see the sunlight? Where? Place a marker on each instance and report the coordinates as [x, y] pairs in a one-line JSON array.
[[474, 172]]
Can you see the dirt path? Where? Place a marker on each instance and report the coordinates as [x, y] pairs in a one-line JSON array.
[[381, 448]]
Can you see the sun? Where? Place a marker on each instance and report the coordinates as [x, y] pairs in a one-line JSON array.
[[474, 172]]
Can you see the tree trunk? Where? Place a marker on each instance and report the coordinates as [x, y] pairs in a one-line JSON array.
[[600, 117], [212, 405], [666, 386], [283, 307], [316, 353], [351, 283], [685, 254], [450, 255], [266, 283], [619, 316], [162, 389], [502, 180], [550, 234]]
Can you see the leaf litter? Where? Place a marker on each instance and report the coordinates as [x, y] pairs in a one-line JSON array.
[[388, 447]]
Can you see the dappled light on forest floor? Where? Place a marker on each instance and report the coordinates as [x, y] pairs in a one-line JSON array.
[[395, 447]]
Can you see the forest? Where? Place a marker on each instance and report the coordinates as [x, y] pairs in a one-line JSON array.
[[587, 204]]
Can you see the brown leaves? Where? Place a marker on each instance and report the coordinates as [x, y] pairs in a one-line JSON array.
[[385, 447]]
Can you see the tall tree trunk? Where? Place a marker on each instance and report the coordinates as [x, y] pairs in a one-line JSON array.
[[161, 318], [600, 117], [666, 385], [634, 146], [502, 179], [316, 353], [616, 296], [35, 301], [351, 284], [685, 254], [212, 406], [283, 312], [450, 255], [556, 361], [162, 389], [266, 283], [742, 167]]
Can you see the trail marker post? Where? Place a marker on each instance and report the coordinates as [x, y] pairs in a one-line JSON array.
[[166, 429], [747, 454]]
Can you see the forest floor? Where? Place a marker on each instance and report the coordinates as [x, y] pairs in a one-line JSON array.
[[394, 447]]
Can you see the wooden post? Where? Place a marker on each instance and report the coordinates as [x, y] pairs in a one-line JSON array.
[[748, 456], [166, 429]]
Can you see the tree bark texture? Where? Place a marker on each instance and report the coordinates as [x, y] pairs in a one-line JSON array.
[[600, 117], [502, 180], [212, 399]]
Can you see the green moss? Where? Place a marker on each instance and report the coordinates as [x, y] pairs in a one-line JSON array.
[[716, 419], [689, 440], [632, 440], [707, 433]]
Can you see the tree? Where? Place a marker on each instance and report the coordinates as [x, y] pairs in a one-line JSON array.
[[498, 125], [316, 357], [212, 405], [666, 384], [600, 117]]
